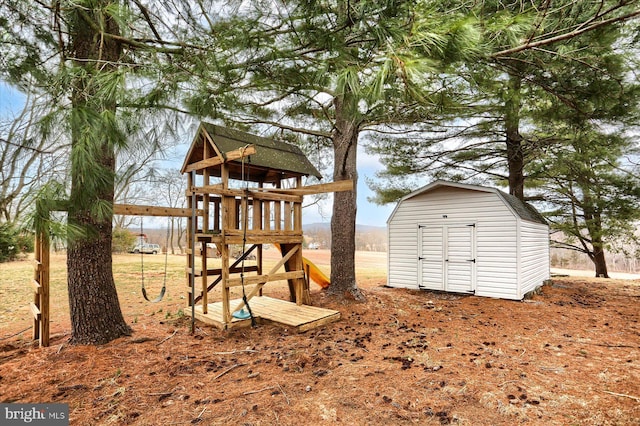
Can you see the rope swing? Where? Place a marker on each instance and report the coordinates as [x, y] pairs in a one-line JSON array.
[[242, 313], [166, 260]]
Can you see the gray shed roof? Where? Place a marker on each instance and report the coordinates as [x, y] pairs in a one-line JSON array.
[[272, 162], [521, 209]]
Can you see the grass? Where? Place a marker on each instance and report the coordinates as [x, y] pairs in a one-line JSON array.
[[16, 292]]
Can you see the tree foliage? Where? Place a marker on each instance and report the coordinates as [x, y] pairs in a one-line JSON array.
[[122, 240], [13, 242], [581, 81], [491, 137], [590, 196], [96, 63], [327, 73], [28, 160]]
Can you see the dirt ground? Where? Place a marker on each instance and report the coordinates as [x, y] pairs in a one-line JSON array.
[[568, 356]]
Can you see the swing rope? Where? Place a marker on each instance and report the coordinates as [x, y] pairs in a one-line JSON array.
[[166, 260], [245, 223]]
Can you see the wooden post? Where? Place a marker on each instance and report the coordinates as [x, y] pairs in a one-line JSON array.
[[37, 271], [267, 215], [192, 229], [203, 276], [258, 224], [206, 181], [277, 209], [205, 197], [236, 213], [190, 240], [228, 220], [304, 296], [216, 214], [277, 215], [41, 276], [44, 293], [297, 210]]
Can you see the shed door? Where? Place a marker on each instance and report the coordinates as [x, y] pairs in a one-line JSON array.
[[431, 257], [447, 257], [460, 258]]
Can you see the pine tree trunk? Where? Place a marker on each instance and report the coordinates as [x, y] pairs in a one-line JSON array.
[[600, 263], [593, 222], [515, 152], [96, 317], [343, 220]]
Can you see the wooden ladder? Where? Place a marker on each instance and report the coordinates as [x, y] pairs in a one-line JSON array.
[[40, 305]]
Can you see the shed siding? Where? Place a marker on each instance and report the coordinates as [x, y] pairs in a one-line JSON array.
[[511, 254], [534, 248], [402, 254], [495, 237]]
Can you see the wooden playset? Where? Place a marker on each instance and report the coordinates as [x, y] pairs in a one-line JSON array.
[[244, 193]]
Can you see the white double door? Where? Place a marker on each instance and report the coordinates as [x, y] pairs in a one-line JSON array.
[[447, 258]]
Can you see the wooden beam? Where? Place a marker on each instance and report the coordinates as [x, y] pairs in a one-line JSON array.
[[214, 161], [264, 239], [134, 210], [254, 233], [273, 270], [259, 279], [206, 189], [341, 185], [273, 194], [35, 311], [44, 290], [255, 193], [218, 271], [284, 259]]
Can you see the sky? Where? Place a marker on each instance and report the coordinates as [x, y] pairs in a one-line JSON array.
[[11, 101], [368, 213]]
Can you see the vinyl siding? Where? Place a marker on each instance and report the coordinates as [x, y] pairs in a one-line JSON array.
[[534, 258], [512, 255], [402, 254], [495, 237]]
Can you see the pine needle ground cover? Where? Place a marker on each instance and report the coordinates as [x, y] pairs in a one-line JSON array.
[[569, 355]]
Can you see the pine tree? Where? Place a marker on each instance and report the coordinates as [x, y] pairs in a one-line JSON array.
[[98, 62], [590, 195], [331, 73], [492, 138]]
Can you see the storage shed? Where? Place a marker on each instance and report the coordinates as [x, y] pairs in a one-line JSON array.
[[467, 239]]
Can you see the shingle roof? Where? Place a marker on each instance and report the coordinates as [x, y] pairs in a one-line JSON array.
[[525, 210], [272, 161]]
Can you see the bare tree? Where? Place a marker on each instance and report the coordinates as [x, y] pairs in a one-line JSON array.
[[169, 188], [139, 165], [27, 159]]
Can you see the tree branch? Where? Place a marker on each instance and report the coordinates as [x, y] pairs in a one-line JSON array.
[[565, 36], [309, 132]]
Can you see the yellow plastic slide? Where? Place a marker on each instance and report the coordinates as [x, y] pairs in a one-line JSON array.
[[315, 273]]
